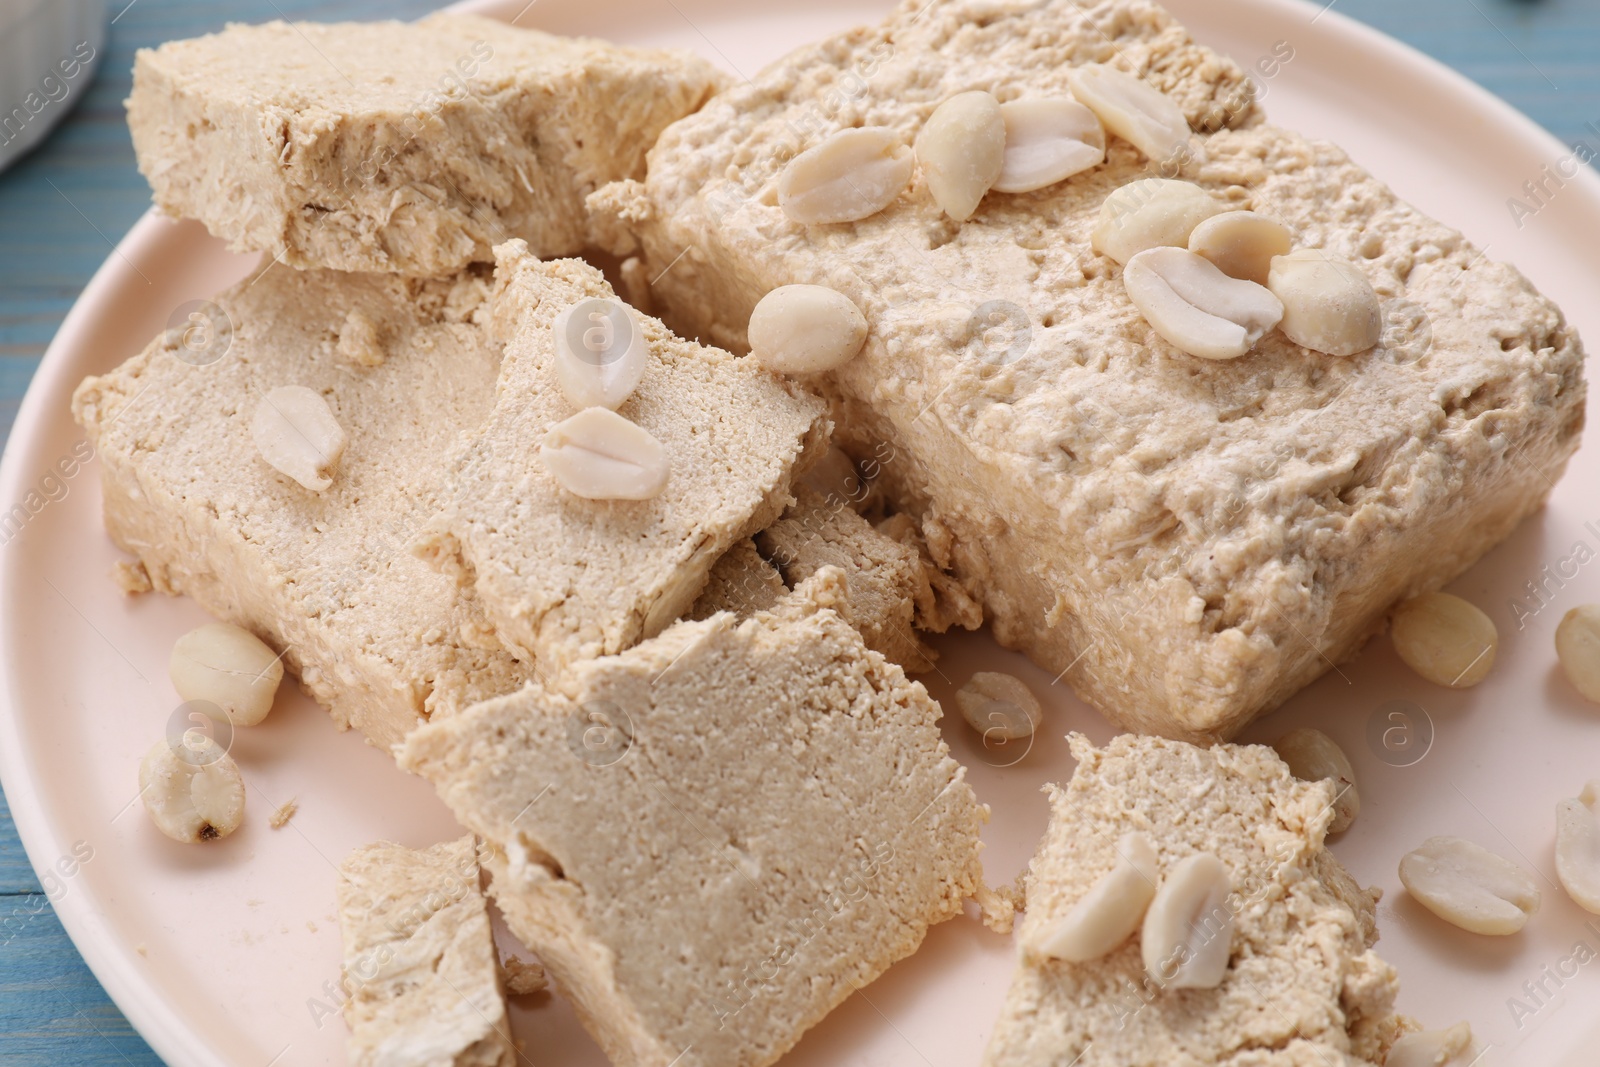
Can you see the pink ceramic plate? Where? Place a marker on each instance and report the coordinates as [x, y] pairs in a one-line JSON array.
[[229, 955]]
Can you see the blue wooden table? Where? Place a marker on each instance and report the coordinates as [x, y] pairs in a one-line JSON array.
[[62, 207]]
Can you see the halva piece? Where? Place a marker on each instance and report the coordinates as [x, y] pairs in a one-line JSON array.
[[420, 966], [714, 838], [1301, 986], [1187, 542], [564, 577], [393, 146], [326, 578]]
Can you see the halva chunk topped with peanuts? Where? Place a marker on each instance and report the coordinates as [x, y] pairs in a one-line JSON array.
[[1188, 540], [713, 839], [327, 577], [1292, 977], [420, 964], [564, 576], [392, 146]]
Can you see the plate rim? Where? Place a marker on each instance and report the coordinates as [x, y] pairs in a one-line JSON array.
[[113, 964]]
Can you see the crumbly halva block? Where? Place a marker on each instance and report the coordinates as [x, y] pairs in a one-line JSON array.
[[420, 965], [1188, 541], [742, 581], [894, 588], [567, 578], [392, 146], [1303, 986], [886, 578], [375, 634], [942, 601], [712, 839]]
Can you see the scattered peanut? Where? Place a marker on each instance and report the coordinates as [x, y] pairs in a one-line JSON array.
[[600, 353], [296, 433], [229, 667], [1195, 307], [1112, 909], [1150, 213], [1433, 1048], [1188, 931], [1241, 243], [1469, 886], [1445, 639], [195, 794], [999, 706], [1047, 141], [854, 174], [1313, 756], [1132, 109], [962, 148], [1328, 304], [806, 329], [1578, 648], [600, 455], [1578, 847]]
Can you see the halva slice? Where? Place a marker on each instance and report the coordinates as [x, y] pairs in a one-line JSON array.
[[1187, 542], [714, 838], [565, 577], [1301, 986], [420, 965], [392, 146], [327, 578]]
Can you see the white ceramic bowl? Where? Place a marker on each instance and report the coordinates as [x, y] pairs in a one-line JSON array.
[[49, 50]]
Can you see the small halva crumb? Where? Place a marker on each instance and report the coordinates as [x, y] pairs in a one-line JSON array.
[[361, 341], [281, 817], [131, 578], [523, 976]]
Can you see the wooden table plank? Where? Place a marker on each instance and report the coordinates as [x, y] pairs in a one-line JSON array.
[[52, 1010]]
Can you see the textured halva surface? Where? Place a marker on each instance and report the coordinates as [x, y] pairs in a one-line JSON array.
[[894, 589], [391, 146], [1188, 541], [566, 578], [420, 965], [942, 601], [1303, 987], [886, 578], [376, 635], [712, 839], [742, 581]]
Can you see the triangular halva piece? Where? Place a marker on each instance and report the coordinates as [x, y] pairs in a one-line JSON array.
[[564, 577], [712, 839]]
